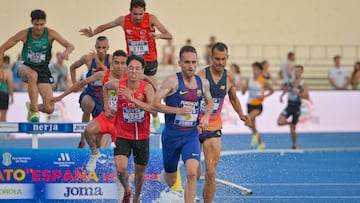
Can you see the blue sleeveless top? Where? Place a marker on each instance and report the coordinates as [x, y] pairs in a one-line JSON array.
[[183, 97], [94, 89]]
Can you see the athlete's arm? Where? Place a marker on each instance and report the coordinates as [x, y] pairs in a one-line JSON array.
[[110, 85], [304, 93], [204, 121], [164, 33], [168, 88], [269, 87], [235, 102], [284, 91], [12, 41], [149, 92], [147, 79], [53, 35], [245, 86], [96, 77], [9, 79], [83, 60], [101, 28]]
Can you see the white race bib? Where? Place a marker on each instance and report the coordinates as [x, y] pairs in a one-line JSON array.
[[138, 48], [136, 115], [36, 57]]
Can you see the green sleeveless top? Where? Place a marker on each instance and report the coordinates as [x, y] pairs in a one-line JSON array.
[[36, 52], [4, 87]]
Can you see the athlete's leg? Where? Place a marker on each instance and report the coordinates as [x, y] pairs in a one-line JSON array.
[[199, 168], [87, 105], [139, 181], [30, 76], [46, 94], [293, 135], [104, 140], [121, 163], [282, 120], [3, 114], [191, 166], [91, 133], [212, 148], [253, 114]]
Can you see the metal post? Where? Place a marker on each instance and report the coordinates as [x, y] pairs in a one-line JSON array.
[[35, 141]]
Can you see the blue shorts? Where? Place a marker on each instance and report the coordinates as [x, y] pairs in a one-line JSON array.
[[98, 108], [186, 144], [293, 110]]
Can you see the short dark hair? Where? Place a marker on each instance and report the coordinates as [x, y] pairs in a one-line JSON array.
[[219, 46], [257, 64], [290, 54], [300, 66], [186, 48], [101, 38], [137, 4], [38, 15], [119, 53], [137, 58], [6, 59], [336, 57]]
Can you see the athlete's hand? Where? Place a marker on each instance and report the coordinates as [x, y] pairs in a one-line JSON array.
[[124, 91], [246, 119], [56, 99], [154, 35], [204, 122], [186, 110], [109, 113], [87, 32]]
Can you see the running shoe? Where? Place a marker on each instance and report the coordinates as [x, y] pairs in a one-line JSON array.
[[261, 146], [126, 198], [156, 122], [254, 139], [91, 165], [81, 145], [32, 116], [294, 147]]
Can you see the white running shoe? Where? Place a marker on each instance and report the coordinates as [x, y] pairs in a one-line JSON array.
[[91, 165]]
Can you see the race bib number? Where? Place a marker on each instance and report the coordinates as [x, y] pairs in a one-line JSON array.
[[187, 121], [36, 57], [113, 100], [216, 102], [136, 115], [138, 48]]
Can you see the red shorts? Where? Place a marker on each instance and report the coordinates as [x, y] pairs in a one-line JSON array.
[[106, 124]]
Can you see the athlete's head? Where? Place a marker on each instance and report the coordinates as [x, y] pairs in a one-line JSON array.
[[337, 60], [219, 56], [298, 70], [118, 66], [291, 56], [135, 67], [257, 68], [38, 20], [188, 60], [235, 68], [101, 46], [137, 10], [265, 65]]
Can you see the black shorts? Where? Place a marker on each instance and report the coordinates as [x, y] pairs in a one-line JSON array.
[[250, 108], [139, 148], [151, 68], [44, 74], [4, 101], [209, 134], [293, 110]]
